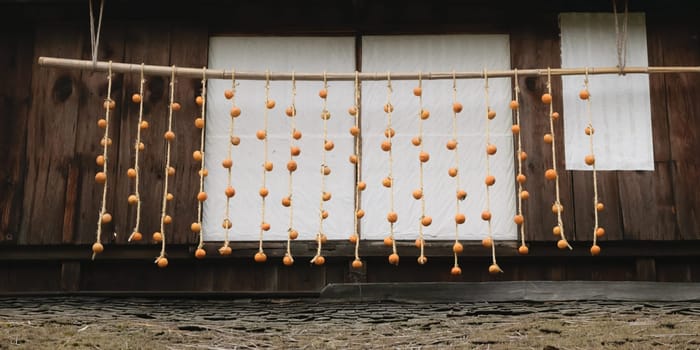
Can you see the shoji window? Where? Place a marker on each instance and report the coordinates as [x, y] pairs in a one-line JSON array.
[[438, 53], [280, 54], [380, 54], [620, 105]]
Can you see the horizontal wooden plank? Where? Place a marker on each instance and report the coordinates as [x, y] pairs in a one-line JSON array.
[[540, 291], [345, 250]]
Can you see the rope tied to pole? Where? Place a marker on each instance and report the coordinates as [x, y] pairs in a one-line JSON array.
[[137, 150], [318, 259], [102, 176], [421, 240], [95, 37], [620, 37], [392, 216], [202, 168], [358, 167], [291, 234]]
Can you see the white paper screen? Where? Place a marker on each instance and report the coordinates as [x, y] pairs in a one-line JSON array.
[[280, 54], [437, 53], [620, 105]]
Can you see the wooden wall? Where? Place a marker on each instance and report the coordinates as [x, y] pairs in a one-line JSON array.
[[49, 139]]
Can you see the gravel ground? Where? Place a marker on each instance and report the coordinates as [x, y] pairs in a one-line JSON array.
[[103, 323]]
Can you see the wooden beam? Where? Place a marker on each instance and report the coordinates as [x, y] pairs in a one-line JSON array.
[[537, 291], [151, 70], [277, 249]]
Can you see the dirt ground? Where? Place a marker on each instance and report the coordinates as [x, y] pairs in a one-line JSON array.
[[102, 323]]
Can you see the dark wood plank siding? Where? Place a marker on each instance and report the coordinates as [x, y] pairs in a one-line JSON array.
[[15, 98], [674, 41], [682, 91], [50, 135], [537, 47], [50, 139]]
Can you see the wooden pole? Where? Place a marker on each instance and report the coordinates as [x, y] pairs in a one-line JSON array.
[[185, 72]]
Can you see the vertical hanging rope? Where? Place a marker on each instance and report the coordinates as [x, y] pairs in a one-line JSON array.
[[267, 166], [95, 36], [227, 163], [101, 177], [294, 151], [356, 158], [520, 177], [552, 174], [318, 259], [453, 145], [199, 156], [490, 179], [135, 171], [392, 216], [621, 37], [161, 260], [590, 161], [419, 194]]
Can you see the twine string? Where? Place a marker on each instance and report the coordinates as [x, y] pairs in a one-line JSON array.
[[229, 171], [201, 149], [420, 164], [142, 82], [358, 166], [291, 157], [320, 234], [557, 203], [520, 161], [621, 37], [488, 165], [389, 112], [456, 162], [95, 37], [166, 181], [105, 141], [593, 166], [264, 174]]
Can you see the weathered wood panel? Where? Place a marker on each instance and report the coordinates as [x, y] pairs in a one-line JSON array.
[[51, 135], [682, 91], [15, 92], [657, 90], [647, 204], [537, 47]]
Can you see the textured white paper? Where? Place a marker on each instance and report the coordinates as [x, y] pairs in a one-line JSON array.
[[620, 105], [437, 53], [280, 54]]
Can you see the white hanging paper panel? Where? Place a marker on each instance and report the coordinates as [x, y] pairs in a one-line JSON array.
[[620, 105], [280, 54], [437, 53]]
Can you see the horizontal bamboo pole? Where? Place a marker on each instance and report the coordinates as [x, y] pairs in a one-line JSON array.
[[186, 72]]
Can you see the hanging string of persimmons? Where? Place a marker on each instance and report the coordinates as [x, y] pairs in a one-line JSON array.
[[419, 194]]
